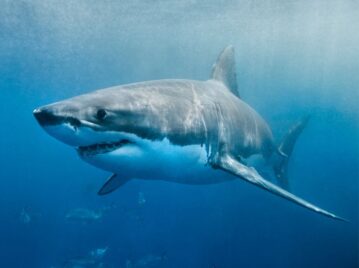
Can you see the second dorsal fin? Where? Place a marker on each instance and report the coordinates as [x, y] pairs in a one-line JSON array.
[[224, 70]]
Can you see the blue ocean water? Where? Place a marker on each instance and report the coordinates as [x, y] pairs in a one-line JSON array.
[[293, 58]]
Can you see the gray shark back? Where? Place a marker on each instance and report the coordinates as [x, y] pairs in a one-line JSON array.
[[197, 116]]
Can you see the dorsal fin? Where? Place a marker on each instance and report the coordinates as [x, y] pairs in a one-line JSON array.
[[224, 70]]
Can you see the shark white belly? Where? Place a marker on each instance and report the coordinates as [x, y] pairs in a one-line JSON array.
[[158, 160]]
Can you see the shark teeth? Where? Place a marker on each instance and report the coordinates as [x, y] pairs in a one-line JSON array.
[[101, 148]]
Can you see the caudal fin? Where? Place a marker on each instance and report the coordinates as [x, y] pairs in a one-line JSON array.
[[284, 151]]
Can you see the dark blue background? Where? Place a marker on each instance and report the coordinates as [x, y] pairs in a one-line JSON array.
[[293, 58]]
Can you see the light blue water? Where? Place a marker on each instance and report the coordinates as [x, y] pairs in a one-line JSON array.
[[293, 58]]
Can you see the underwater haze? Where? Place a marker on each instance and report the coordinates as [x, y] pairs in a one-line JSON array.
[[294, 58]]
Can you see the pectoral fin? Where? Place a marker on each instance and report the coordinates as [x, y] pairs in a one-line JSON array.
[[229, 164], [112, 183]]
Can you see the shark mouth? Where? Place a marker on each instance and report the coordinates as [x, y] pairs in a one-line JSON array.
[[102, 148]]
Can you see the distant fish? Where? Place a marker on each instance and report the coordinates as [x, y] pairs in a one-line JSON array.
[[98, 253], [81, 262], [141, 199], [84, 215], [25, 216], [148, 261], [92, 260]]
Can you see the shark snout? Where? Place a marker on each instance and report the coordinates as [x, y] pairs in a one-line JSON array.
[[46, 117], [62, 127]]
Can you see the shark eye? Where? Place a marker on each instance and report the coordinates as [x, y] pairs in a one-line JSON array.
[[101, 114]]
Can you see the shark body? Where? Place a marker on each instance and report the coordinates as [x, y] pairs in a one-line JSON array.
[[184, 131]]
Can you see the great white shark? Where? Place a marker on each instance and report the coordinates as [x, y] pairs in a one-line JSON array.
[[184, 131]]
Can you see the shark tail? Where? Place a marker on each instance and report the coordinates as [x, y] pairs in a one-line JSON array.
[[284, 152]]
